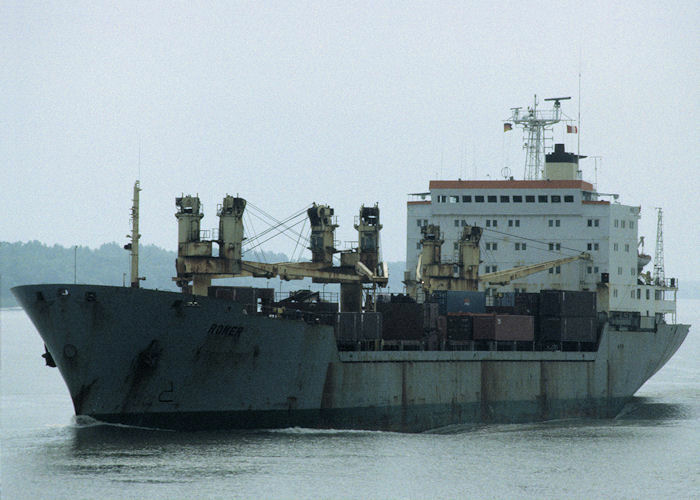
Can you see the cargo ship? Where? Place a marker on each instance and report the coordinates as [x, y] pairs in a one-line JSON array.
[[539, 309]]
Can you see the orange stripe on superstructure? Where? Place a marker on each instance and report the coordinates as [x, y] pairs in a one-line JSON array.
[[595, 202], [427, 202], [585, 186]]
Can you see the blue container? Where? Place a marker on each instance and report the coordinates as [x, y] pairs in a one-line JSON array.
[[465, 302]]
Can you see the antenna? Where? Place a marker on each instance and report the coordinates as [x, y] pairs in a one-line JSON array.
[[578, 135], [139, 176]]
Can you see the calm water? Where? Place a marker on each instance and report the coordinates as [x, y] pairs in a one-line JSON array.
[[651, 451]]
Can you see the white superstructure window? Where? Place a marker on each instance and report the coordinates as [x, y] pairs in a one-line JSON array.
[[454, 199], [554, 222], [615, 247], [619, 270], [616, 223], [456, 222], [554, 246], [593, 222], [592, 246], [491, 246], [631, 224], [633, 271], [513, 222], [491, 223], [520, 246], [622, 223], [627, 247], [491, 269], [555, 270]]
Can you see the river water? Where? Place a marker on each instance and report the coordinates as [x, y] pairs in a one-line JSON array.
[[651, 450]]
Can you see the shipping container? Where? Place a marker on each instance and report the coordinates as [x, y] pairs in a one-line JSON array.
[[459, 327], [500, 309], [454, 301], [252, 299], [503, 327], [527, 304], [401, 320], [465, 302], [430, 316], [568, 329], [567, 303]]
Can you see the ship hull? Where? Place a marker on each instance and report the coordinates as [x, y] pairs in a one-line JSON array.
[[163, 359]]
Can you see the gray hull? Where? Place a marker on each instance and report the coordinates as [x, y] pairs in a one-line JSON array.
[[157, 359]]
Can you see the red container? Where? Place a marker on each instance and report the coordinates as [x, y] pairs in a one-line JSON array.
[[504, 327]]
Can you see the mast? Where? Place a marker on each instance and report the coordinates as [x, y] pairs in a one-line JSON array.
[[133, 247], [659, 277], [535, 124]]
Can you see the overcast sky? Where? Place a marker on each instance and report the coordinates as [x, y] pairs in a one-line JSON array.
[[342, 103]]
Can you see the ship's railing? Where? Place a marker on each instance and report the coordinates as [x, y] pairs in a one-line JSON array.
[[321, 296], [419, 197], [668, 283]]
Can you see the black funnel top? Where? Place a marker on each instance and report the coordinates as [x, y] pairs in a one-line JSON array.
[[559, 155]]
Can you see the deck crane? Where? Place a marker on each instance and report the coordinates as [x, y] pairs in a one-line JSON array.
[[432, 274], [195, 262]]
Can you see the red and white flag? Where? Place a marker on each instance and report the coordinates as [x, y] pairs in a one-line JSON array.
[[571, 129]]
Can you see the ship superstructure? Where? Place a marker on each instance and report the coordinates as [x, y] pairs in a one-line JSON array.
[[529, 221]]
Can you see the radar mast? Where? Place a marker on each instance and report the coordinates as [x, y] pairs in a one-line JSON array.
[[536, 123]]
